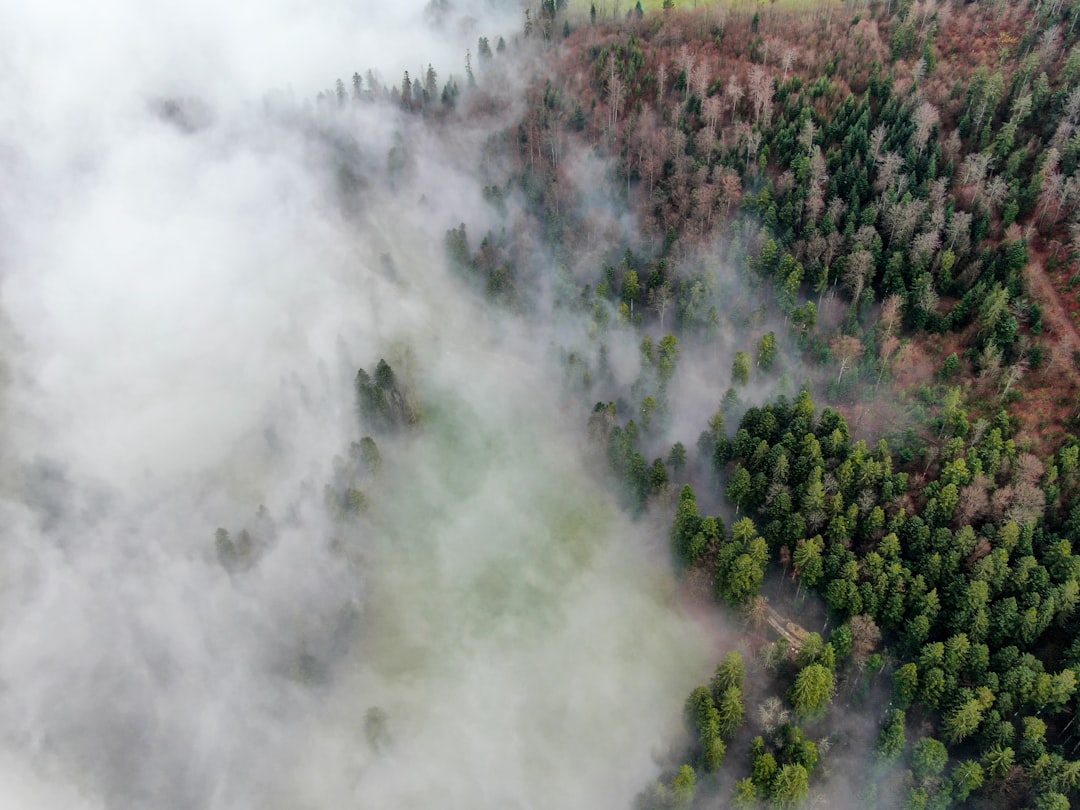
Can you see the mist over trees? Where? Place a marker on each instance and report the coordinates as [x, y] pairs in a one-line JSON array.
[[668, 405]]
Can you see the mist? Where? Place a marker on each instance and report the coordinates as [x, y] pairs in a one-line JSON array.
[[186, 300]]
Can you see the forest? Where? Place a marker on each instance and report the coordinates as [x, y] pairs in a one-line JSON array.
[[873, 206], [668, 405]]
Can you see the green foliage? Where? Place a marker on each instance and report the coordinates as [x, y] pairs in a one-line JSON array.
[[703, 718], [892, 740], [687, 541], [731, 711], [766, 353], [905, 685], [790, 786], [812, 691], [381, 403], [729, 674], [740, 564], [684, 786], [745, 795], [740, 368], [929, 758], [966, 777]]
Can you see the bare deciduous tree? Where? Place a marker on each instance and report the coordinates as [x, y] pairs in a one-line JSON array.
[[733, 92], [848, 349]]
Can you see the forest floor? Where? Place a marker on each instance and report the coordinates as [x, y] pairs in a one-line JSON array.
[[1049, 395]]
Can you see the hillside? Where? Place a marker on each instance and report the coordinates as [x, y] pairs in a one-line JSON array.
[[656, 405]]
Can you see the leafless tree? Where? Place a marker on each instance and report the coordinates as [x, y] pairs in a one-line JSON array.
[[753, 143], [1013, 374], [761, 90], [755, 611], [787, 60], [926, 118], [659, 300], [877, 141], [865, 636], [974, 168], [733, 92], [1053, 185], [974, 501], [950, 150], [959, 231], [848, 349], [731, 189], [1027, 469], [699, 79], [616, 94], [785, 182], [918, 70], [924, 246], [856, 272], [711, 109], [772, 714], [1049, 44], [888, 170], [989, 363], [1071, 111]]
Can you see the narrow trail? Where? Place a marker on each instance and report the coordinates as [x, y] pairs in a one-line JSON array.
[[1066, 335]]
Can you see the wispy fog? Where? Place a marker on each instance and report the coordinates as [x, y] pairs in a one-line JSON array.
[[188, 287]]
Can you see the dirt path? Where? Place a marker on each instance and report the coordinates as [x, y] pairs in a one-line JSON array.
[[794, 633], [1061, 326]]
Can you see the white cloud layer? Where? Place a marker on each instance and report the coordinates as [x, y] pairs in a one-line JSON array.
[[182, 314]]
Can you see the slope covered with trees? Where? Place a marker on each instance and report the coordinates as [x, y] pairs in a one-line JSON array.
[[854, 231]]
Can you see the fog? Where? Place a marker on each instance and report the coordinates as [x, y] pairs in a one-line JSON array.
[[185, 303]]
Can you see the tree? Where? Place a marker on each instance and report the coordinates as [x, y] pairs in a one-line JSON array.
[[790, 786], [763, 771], [812, 691], [906, 685], [659, 299], [808, 562], [738, 488], [967, 777], [703, 717], [809, 650], [740, 368], [929, 758], [741, 579], [998, 761], [684, 787], [370, 455], [731, 710], [668, 350], [766, 353], [631, 289], [963, 721], [1052, 801], [892, 740], [729, 674], [677, 458], [686, 539], [865, 636], [848, 349], [745, 795]]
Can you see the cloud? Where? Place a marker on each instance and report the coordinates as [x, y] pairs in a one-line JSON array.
[[184, 304]]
